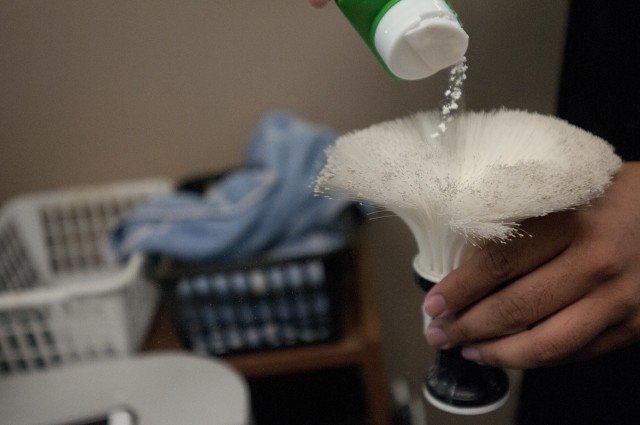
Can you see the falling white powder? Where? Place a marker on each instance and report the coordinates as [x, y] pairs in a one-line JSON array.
[[450, 105]]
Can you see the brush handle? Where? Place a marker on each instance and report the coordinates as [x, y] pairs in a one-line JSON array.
[[456, 385]]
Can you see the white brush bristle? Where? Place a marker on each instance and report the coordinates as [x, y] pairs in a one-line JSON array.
[[475, 182]]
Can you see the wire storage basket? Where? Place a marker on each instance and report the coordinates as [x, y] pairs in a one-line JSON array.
[[64, 297], [258, 304]]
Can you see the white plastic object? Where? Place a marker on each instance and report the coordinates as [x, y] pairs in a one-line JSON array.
[[464, 411], [417, 38], [64, 297], [158, 389]]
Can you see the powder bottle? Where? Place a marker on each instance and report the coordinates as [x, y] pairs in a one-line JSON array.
[[413, 39]]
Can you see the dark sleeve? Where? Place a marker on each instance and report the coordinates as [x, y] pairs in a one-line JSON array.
[[600, 93], [600, 82]]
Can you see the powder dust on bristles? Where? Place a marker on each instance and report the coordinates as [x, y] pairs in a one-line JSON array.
[[488, 172]]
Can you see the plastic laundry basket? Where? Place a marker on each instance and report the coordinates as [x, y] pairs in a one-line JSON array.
[[63, 296]]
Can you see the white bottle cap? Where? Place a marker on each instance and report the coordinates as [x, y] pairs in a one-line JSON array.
[[417, 38]]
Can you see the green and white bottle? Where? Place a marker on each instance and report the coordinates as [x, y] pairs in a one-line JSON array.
[[413, 39]]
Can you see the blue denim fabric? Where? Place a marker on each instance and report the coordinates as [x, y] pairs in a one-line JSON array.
[[267, 208]]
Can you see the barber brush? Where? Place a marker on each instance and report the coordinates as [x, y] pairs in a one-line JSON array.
[[470, 185]]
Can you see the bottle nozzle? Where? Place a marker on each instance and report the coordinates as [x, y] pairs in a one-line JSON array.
[[417, 38]]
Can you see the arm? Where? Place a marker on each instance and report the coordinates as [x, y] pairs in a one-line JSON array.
[[574, 290]]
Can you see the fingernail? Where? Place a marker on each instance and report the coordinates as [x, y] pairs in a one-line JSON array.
[[472, 354], [435, 305], [437, 337]]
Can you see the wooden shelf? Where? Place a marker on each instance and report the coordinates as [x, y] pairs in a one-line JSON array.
[[360, 345]]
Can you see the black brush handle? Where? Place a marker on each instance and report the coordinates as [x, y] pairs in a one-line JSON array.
[[457, 385]]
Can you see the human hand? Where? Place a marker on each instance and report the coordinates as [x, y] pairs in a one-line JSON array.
[[574, 290], [319, 3]]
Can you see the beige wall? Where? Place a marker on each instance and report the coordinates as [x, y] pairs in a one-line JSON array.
[[92, 91]]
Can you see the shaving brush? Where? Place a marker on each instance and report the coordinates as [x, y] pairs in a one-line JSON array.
[[461, 189]]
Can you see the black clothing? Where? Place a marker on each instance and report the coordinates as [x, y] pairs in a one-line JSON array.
[[600, 87], [599, 92]]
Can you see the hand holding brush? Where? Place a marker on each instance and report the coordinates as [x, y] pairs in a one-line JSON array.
[[574, 291], [461, 194]]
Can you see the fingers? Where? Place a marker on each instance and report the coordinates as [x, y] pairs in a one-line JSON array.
[[553, 341], [575, 285], [497, 263], [515, 307], [614, 338], [576, 273], [319, 3]]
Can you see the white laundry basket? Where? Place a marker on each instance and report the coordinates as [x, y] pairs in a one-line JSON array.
[[63, 296]]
